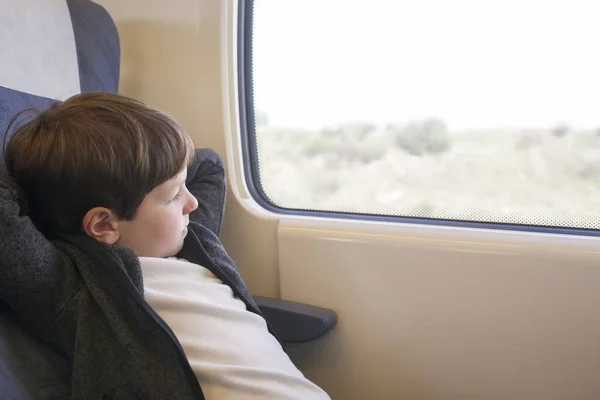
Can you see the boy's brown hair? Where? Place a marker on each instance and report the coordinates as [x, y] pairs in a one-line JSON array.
[[93, 150]]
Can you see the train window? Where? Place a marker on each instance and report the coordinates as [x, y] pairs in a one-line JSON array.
[[460, 110]]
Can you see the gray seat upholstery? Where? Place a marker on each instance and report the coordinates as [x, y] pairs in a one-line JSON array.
[[30, 369]]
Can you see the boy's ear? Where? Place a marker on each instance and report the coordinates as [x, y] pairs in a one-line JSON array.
[[102, 224]]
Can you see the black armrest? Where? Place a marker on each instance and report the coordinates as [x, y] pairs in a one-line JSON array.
[[296, 322]]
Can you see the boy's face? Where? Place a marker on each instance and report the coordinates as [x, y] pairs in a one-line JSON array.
[[160, 224]]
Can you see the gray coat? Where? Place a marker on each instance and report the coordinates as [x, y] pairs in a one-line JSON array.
[[86, 299]]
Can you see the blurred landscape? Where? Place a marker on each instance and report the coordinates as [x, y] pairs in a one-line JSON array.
[[483, 111], [545, 176]]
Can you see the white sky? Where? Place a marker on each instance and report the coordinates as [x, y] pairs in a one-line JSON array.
[[474, 63]]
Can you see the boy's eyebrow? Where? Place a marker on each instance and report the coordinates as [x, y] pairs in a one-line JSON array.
[[176, 184], [181, 180]]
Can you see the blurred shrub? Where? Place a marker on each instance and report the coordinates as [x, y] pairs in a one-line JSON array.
[[588, 165], [528, 139], [349, 143], [560, 131], [421, 137]]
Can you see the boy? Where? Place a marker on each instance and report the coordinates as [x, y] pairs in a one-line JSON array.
[[107, 207]]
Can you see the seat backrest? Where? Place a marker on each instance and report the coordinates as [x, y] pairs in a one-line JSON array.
[[49, 51]]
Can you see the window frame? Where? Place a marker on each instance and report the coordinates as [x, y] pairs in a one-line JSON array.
[[250, 159]]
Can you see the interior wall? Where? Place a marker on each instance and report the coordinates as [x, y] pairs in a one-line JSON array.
[[427, 313], [170, 60]]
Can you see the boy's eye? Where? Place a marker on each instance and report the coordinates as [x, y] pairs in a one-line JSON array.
[[177, 196]]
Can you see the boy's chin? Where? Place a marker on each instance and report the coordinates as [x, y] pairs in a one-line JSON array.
[[179, 247]]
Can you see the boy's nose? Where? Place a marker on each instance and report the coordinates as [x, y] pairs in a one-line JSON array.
[[191, 204]]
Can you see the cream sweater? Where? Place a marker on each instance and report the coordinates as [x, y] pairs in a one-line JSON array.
[[230, 349]]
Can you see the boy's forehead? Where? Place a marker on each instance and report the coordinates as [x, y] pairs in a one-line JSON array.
[[178, 179], [171, 184]]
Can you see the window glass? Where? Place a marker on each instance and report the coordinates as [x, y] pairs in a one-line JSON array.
[[476, 110]]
